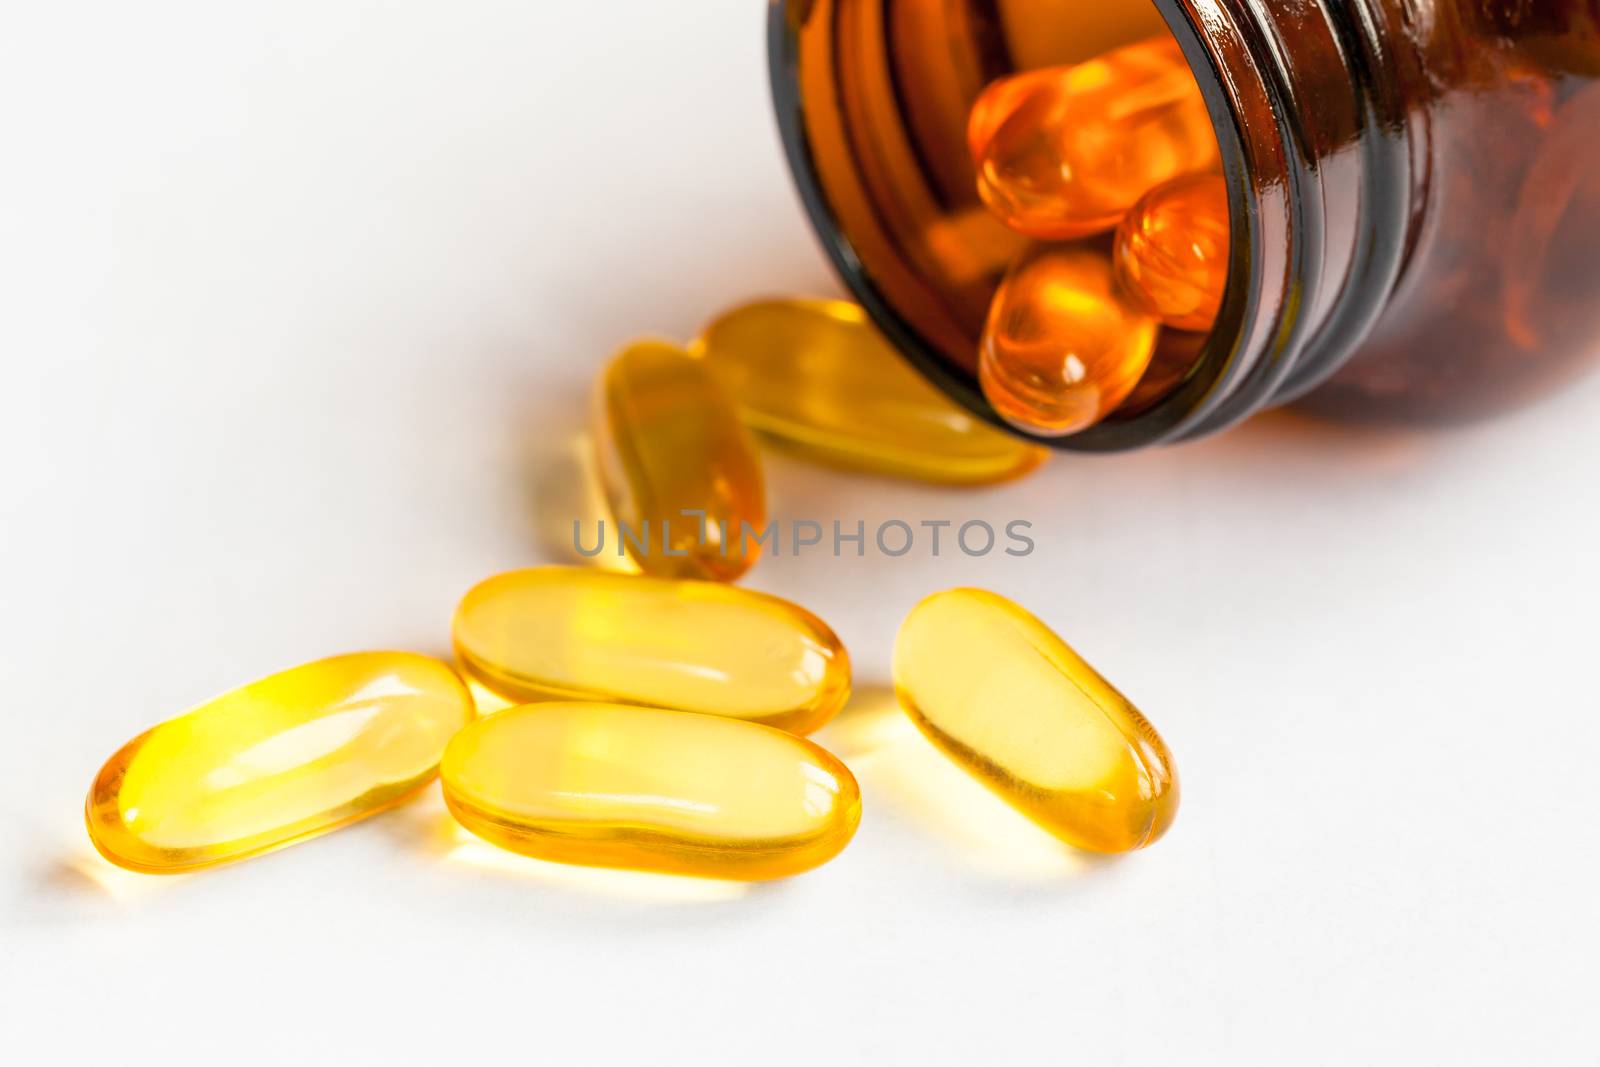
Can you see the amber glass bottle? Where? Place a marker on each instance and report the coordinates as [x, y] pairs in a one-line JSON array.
[[1414, 188]]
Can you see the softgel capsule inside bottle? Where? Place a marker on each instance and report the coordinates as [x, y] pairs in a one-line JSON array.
[[1066, 151], [1063, 346], [1172, 252]]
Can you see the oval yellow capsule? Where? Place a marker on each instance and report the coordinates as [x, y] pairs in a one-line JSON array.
[[679, 469], [606, 785], [282, 759], [1006, 699], [568, 633], [817, 376]]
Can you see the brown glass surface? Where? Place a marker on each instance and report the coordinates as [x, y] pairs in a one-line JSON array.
[[1415, 194], [1500, 300]]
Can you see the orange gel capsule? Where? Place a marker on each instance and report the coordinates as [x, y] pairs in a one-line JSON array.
[[571, 633], [282, 759], [680, 471], [651, 790], [1064, 152], [1005, 698], [1172, 252], [1062, 348], [818, 377]]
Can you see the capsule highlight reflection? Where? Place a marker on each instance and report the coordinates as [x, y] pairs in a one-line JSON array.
[[568, 633], [679, 469], [277, 761], [1005, 698], [1064, 152], [818, 377], [652, 790]]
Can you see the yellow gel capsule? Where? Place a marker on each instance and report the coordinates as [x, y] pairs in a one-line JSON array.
[[569, 633], [611, 786], [1064, 152], [1062, 348], [1172, 252], [282, 759], [680, 471], [817, 376], [1005, 698]]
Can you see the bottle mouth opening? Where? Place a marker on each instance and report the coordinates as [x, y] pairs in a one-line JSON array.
[[872, 101]]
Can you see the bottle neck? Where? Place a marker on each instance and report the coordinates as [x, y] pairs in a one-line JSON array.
[[1317, 149]]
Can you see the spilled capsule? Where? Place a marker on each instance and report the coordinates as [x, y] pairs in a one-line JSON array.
[[1005, 698], [569, 633], [1064, 152], [1062, 348], [680, 471], [815, 375], [645, 789], [282, 759]]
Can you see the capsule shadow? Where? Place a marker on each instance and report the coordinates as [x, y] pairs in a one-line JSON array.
[[571, 520], [1295, 437], [905, 779]]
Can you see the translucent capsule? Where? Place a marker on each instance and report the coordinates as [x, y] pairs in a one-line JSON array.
[[1064, 152], [642, 788], [1062, 348], [817, 376], [1172, 252], [1005, 698], [680, 471], [568, 633], [279, 760]]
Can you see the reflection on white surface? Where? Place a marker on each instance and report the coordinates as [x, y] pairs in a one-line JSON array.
[[898, 767], [87, 868], [473, 852], [567, 491]]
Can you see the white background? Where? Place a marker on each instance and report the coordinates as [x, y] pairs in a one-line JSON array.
[[299, 306]]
